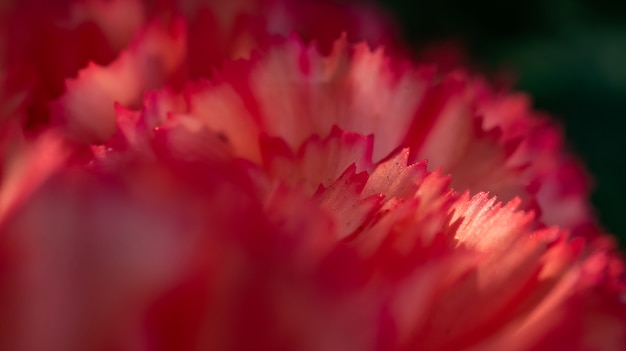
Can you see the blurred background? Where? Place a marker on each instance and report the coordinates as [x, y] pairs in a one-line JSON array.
[[570, 55]]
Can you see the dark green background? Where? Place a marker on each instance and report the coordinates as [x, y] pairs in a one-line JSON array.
[[569, 55]]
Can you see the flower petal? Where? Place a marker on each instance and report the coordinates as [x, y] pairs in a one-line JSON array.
[[86, 109]]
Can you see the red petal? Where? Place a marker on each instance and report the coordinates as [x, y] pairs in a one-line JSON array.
[[86, 109]]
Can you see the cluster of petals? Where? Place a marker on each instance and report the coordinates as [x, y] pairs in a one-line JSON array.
[[196, 175]]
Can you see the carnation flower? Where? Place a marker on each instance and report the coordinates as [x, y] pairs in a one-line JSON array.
[[266, 192]]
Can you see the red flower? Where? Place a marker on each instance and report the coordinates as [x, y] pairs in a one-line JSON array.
[[172, 199]]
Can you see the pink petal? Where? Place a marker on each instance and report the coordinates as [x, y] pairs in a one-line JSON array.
[[86, 109]]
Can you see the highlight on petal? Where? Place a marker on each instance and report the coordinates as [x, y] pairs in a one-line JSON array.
[[521, 290], [503, 222], [554, 177]]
